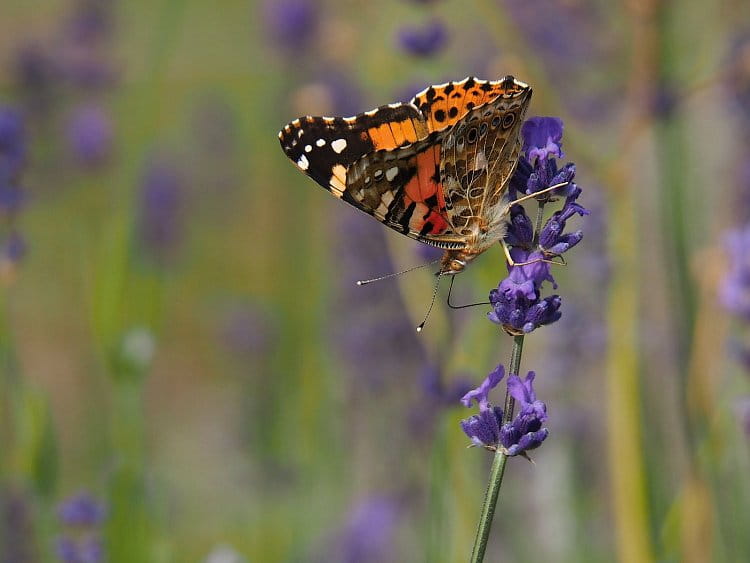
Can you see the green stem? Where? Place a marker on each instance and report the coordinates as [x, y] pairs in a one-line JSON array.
[[498, 468]]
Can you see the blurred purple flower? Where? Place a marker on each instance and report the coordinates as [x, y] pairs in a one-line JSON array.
[[569, 39], [292, 24], [12, 145], [83, 515], [81, 509], [13, 248], [90, 135], [91, 22], [345, 94], [160, 221], [738, 74], [735, 288], [542, 136], [36, 74], [12, 198], [17, 521], [368, 535], [79, 550], [423, 41]]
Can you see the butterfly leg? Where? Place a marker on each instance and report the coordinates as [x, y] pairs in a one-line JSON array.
[[537, 194]]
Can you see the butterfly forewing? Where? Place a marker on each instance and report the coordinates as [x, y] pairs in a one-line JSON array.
[[446, 104], [325, 147]]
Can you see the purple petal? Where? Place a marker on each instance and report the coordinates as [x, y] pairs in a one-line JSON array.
[[480, 393], [542, 136]]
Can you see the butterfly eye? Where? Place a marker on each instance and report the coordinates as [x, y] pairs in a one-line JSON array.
[[471, 136], [508, 120], [482, 129], [495, 121]]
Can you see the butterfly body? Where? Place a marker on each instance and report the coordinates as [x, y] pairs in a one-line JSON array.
[[435, 169]]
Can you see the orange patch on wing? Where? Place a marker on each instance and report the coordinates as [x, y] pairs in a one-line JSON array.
[[410, 132], [382, 137], [398, 133], [423, 186]]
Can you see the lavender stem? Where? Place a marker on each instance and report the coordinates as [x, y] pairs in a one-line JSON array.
[[498, 468]]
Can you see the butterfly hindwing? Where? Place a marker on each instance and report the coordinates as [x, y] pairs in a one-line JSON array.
[[479, 155], [402, 189]]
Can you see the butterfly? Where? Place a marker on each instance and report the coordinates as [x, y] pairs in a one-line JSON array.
[[435, 169]]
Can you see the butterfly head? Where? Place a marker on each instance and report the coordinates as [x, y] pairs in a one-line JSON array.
[[454, 262]]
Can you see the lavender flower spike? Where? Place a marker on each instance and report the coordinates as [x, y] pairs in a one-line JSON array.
[[525, 432], [484, 428]]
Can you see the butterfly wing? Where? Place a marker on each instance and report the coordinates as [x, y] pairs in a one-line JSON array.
[[446, 104], [479, 155], [401, 188], [325, 147], [389, 162]]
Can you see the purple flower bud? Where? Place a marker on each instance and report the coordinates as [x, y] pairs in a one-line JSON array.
[[484, 428], [423, 41], [542, 136], [525, 432], [520, 228]]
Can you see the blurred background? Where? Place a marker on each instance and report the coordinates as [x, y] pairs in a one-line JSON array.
[[188, 373]]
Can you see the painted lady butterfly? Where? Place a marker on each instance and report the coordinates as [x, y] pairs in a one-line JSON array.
[[434, 169]]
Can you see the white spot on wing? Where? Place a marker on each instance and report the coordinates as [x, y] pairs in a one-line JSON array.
[[308, 148], [480, 162], [320, 142], [391, 173], [303, 163], [338, 145]]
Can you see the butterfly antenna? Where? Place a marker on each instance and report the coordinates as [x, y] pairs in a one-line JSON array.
[[452, 306], [385, 277], [434, 295]]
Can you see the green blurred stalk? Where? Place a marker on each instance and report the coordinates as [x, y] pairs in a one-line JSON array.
[[623, 402], [497, 471], [130, 527]]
